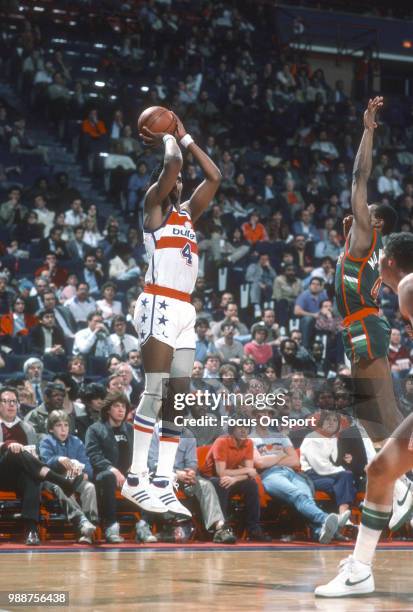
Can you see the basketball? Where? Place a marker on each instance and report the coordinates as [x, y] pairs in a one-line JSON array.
[[157, 119]]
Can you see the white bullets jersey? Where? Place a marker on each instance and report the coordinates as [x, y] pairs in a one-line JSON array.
[[172, 253]]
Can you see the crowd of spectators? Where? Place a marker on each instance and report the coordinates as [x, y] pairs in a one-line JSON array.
[[269, 243]]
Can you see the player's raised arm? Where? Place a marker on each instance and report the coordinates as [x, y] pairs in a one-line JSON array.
[[172, 164], [204, 193], [361, 229]]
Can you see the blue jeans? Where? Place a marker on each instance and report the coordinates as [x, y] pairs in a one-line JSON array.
[[285, 484]]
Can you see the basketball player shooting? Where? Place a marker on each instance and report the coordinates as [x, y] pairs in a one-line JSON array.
[[394, 459], [366, 335], [164, 315]]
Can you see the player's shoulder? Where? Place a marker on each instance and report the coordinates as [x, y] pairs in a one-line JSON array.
[[406, 285]]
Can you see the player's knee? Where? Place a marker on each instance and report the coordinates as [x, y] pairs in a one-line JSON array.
[[377, 470]]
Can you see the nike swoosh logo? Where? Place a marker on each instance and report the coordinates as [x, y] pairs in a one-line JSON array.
[[349, 583], [400, 503]]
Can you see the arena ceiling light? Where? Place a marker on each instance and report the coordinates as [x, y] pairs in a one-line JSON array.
[[100, 83], [39, 9], [144, 88], [88, 69]]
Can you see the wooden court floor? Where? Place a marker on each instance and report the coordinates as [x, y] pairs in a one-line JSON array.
[[203, 581]]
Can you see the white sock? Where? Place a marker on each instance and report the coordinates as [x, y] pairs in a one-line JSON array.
[[143, 427], [168, 445], [374, 518]]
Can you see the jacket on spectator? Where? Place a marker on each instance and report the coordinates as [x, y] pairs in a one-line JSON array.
[[27, 430], [7, 324], [101, 446], [73, 448], [37, 339]]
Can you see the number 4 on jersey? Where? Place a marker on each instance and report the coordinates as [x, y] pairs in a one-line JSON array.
[[187, 254]]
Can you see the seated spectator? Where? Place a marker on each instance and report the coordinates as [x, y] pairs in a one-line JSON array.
[[121, 341], [131, 388], [69, 290], [63, 452], [52, 272], [399, 355], [307, 307], [94, 339], [329, 248], [92, 275], [286, 288], [271, 325], [47, 339], [261, 276], [326, 148], [388, 185], [33, 373], [16, 324], [21, 143], [108, 306], [81, 304], [12, 211], [76, 368], [276, 460], [298, 410], [253, 230], [109, 444], [229, 466], [92, 236], [54, 397], [92, 397], [123, 266], [227, 348], [302, 257], [259, 349], [94, 133], [286, 360], [318, 457], [231, 316], [75, 216], [64, 319], [54, 244], [194, 485], [293, 199], [326, 271], [405, 399], [211, 370], [204, 340], [20, 469], [305, 226], [134, 359], [77, 248]]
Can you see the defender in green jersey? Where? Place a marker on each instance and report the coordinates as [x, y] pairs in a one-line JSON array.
[[366, 334]]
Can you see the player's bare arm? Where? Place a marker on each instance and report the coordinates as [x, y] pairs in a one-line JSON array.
[[204, 193], [159, 191], [405, 291], [361, 230]]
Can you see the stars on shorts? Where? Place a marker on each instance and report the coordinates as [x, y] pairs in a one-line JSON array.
[[143, 318], [142, 335], [163, 305], [145, 302], [162, 320]]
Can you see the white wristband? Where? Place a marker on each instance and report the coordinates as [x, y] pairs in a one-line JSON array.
[[186, 140], [166, 137]]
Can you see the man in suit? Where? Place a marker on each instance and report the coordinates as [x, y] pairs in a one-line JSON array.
[[92, 275], [122, 342], [64, 318], [53, 244], [35, 302], [33, 374], [76, 248], [109, 445], [48, 340]]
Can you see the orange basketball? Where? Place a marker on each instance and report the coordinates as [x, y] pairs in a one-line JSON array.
[[157, 119]]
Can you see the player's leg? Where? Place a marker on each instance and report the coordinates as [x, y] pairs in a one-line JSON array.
[[156, 358], [169, 432], [375, 402], [393, 460]]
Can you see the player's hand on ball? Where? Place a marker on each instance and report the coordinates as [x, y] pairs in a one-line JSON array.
[[152, 139], [180, 130], [370, 114]]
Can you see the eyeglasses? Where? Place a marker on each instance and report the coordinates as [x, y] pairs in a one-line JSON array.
[[9, 401]]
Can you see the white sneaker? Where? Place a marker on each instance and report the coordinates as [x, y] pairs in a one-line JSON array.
[[354, 578], [402, 503], [87, 531], [328, 529], [112, 534], [164, 489], [343, 519], [141, 492], [144, 533]]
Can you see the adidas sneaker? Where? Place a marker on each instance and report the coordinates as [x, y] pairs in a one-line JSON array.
[[140, 491], [164, 488]]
